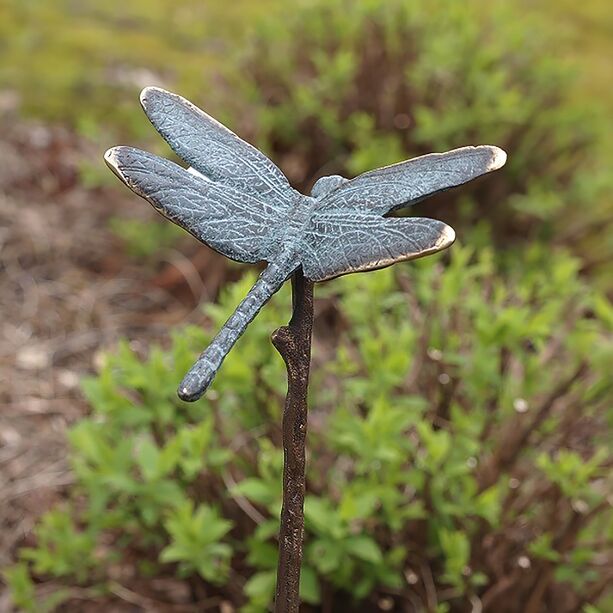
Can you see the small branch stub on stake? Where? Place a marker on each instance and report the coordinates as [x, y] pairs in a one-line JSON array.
[[293, 342]]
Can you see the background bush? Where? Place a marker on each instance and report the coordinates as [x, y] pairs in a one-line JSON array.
[[343, 87], [444, 467]]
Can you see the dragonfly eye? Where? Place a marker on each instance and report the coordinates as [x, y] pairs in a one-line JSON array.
[[326, 185]]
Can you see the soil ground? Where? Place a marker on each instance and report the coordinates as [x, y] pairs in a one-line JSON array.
[[68, 292]]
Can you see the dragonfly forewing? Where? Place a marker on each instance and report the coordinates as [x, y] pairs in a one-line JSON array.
[[384, 189], [215, 151]]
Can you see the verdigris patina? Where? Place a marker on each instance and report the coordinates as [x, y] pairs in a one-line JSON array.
[[234, 199]]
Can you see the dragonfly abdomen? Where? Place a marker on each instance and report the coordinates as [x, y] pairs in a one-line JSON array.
[[202, 373]]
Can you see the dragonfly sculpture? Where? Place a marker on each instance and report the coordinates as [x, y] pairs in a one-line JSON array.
[[235, 200]]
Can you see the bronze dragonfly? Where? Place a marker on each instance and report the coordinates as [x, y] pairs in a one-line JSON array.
[[235, 200]]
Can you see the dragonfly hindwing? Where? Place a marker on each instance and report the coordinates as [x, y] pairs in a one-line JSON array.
[[339, 243], [231, 222]]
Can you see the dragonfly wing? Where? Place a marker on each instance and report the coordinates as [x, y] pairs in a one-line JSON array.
[[214, 150], [391, 187], [233, 223], [337, 244]]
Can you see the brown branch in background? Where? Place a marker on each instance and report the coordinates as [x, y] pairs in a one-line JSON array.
[[293, 342], [517, 439]]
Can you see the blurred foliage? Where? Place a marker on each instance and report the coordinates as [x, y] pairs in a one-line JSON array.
[[83, 62], [477, 459], [144, 239], [586, 31], [342, 87]]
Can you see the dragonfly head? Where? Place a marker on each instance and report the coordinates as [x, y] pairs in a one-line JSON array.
[[326, 185]]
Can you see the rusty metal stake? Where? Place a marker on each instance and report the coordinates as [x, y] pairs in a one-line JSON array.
[[293, 342]]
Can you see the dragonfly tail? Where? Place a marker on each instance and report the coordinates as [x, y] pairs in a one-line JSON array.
[[202, 373]]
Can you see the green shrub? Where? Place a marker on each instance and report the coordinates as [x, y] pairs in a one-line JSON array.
[[458, 445], [84, 65], [145, 239], [342, 86]]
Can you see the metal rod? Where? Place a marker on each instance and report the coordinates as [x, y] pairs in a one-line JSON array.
[[293, 342]]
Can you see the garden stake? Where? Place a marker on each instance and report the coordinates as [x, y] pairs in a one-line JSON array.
[[293, 342], [236, 201]]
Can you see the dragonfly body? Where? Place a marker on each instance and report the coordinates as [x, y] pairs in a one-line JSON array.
[[284, 260], [268, 283], [234, 199]]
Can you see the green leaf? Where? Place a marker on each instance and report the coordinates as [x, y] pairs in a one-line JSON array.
[[364, 548], [21, 587], [256, 490], [148, 456], [261, 588], [309, 586]]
